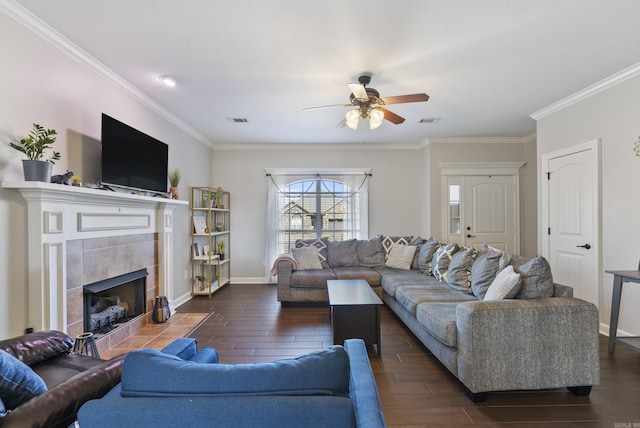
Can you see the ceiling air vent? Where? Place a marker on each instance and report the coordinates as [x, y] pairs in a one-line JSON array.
[[429, 120], [238, 119]]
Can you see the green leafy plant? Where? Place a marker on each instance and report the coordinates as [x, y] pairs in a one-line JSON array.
[[34, 146], [220, 247], [174, 177]]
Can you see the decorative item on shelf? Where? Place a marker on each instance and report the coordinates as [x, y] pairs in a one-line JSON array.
[[203, 282], [161, 311], [36, 167], [76, 180], [218, 227], [219, 203], [174, 179], [85, 344], [62, 178], [220, 249], [636, 147]]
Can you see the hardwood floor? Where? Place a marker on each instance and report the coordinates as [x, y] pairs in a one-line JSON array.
[[248, 325]]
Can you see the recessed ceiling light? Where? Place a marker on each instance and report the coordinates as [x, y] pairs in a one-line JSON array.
[[168, 80]]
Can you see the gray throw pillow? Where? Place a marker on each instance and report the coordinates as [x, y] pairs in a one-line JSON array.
[[388, 241], [536, 278], [320, 244], [418, 243], [342, 253], [370, 252], [441, 260], [18, 381], [484, 270], [459, 272], [425, 255], [307, 258]]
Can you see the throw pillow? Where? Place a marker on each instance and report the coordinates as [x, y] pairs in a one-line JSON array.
[[401, 256], [459, 271], [505, 286], [342, 253], [485, 268], [370, 252], [418, 243], [388, 241], [18, 381], [441, 259], [536, 278], [320, 244], [425, 255], [307, 258], [3, 411]]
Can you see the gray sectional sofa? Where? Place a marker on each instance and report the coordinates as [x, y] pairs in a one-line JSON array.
[[494, 334]]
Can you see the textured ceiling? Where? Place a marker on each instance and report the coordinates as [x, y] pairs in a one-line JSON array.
[[487, 65]]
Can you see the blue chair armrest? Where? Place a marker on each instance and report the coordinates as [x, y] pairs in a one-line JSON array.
[[184, 348], [362, 386]]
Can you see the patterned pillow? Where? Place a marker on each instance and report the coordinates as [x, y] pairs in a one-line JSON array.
[[307, 258], [388, 241], [536, 278], [505, 286], [459, 272], [401, 256], [441, 260], [426, 254], [320, 244]]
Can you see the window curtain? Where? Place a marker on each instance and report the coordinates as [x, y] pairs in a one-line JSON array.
[[356, 220]]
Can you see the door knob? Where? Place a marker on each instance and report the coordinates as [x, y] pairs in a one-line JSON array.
[[587, 246], [470, 236]]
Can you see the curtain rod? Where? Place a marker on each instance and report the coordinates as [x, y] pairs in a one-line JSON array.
[[268, 174]]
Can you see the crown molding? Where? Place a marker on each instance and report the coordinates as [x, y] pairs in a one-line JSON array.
[[589, 91], [316, 146], [480, 140], [46, 32], [480, 168]]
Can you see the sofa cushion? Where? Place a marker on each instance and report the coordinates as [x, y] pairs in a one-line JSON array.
[[315, 278], [441, 259], [391, 281], [359, 272], [150, 372], [411, 296], [417, 242], [388, 241], [505, 285], [486, 266], [439, 319], [370, 252], [536, 278], [320, 244], [400, 256], [459, 271], [342, 253], [425, 255], [18, 382], [307, 258]]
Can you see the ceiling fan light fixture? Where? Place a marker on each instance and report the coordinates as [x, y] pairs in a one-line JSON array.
[[376, 117], [352, 117]]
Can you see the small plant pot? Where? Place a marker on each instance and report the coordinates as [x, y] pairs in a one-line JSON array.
[[35, 170], [174, 192]]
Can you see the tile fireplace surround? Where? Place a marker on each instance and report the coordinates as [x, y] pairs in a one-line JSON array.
[[77, 236]]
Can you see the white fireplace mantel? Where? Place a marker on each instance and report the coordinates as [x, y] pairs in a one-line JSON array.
[[58, 213]]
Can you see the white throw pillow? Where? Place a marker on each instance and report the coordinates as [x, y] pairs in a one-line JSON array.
[[505, 285], [307, 258], [400, 256]]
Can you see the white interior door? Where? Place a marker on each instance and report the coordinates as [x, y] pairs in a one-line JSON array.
[[572, 196], [490, 212]]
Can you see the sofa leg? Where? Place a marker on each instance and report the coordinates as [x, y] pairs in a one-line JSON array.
[[580, 391], [476, 397]]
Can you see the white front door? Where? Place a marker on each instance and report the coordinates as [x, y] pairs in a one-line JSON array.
[[489, 205], [571, 181]]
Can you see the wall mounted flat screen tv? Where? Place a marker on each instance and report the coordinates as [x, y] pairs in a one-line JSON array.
[[132, 159]]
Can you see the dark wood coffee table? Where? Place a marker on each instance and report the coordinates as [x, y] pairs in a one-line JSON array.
[[354, 311]]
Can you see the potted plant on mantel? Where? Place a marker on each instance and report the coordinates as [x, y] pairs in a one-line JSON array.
[[36, 167], [174, 179]]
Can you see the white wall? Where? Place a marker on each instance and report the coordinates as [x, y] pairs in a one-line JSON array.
[[612, 116], [39, 83]]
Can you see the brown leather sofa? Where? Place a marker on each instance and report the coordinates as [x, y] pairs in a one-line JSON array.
[[71, 379]]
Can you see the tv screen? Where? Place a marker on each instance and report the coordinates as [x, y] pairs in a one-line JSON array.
[[132, 159]]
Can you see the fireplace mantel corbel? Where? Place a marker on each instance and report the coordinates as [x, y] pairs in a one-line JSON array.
[[57, 214]]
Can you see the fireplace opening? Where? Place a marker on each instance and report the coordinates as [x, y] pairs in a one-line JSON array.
[[110, 303]]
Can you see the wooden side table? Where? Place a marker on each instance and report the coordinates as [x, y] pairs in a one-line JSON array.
[[619, 278]]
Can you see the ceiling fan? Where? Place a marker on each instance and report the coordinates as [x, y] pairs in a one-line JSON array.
[[369, 105]]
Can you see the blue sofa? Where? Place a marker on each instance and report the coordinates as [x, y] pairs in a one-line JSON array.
[[182, 386]]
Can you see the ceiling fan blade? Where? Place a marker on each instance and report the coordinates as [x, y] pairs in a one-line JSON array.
[[391, 116], [342, 123], [331, 105], [358, 91], [400, 99]]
